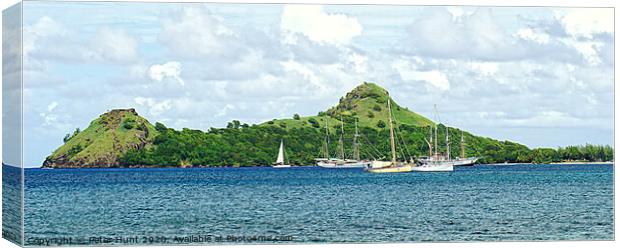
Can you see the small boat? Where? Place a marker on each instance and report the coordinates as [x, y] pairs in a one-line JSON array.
[[280, 160]]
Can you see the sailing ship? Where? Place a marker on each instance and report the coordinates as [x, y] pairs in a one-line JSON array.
[[341, 161], [280, 159], [462, 160], [436, 162], [391, 166]]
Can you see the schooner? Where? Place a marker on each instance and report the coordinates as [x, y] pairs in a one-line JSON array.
[[440, 162], [341, 161], [393, 165]]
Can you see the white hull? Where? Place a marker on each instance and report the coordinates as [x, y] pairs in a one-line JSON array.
[[281, 166], [342, 164], [453, 162], [465, 161], [434, 168], [379, 164]]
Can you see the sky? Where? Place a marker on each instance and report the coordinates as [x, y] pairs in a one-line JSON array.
[[539, 76]]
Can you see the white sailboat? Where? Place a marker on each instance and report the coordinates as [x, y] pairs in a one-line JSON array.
[[341, 161], [280, 160]]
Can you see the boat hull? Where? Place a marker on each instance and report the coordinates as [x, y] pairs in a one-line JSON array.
[[333, 165], [281, 166], [379, 164], [392, 169], [465, 162], [434, 168]]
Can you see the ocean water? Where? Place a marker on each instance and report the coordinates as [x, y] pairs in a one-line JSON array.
[[266, 205], [12, 203]]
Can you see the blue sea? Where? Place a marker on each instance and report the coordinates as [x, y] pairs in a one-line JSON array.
[[316, 205]]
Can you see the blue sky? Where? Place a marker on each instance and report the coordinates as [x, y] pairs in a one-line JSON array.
[[539, 76]]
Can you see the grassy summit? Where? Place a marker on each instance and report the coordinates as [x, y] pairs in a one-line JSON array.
[[105, 139], [367, 103]]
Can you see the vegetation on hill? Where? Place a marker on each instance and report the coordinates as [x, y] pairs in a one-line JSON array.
[[106, 139], [366, 104], [121, 138]]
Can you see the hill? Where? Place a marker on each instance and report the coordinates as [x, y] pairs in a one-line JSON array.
[[366, 103], [104, 141]]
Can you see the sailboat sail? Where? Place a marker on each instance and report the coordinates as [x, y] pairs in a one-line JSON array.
[[280, 159]]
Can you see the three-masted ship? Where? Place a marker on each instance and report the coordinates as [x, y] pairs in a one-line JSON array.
[[341, 161], [442, 162]]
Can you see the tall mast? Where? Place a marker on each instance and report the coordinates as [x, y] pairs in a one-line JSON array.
[[326, 139], [435, 146], [391, 131], [341, 138], [429, 141], [462, 145], [356, 148], [438, 121], [447, 142]]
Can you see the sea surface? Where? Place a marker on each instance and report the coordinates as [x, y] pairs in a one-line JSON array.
[[311, 204]]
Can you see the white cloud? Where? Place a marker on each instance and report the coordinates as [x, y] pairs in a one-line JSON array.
[[305, 72], [585, 22], [313, 22], [170, 69], [195, 32], [224, 111], [43, 27], [114, 45], [484, 68], [155, 107], [589, 50], [52, 106], [435, 78], [532, 35], [359, 62], [457, 12], [49, 117], [48, 40]]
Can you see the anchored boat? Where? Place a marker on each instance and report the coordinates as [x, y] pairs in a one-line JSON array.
[[341, 161], [280, 160], [390, 166], [436, 162]]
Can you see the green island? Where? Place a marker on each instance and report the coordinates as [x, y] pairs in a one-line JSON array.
[[122, 138]]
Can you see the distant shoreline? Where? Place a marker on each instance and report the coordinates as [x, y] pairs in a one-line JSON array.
[[566, 162], [580, 162], [266, 166]]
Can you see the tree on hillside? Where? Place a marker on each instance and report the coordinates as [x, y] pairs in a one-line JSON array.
[[381, 124]]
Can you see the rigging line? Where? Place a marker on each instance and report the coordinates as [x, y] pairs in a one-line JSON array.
[[398, 133], [377, 152], [402, 140]]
